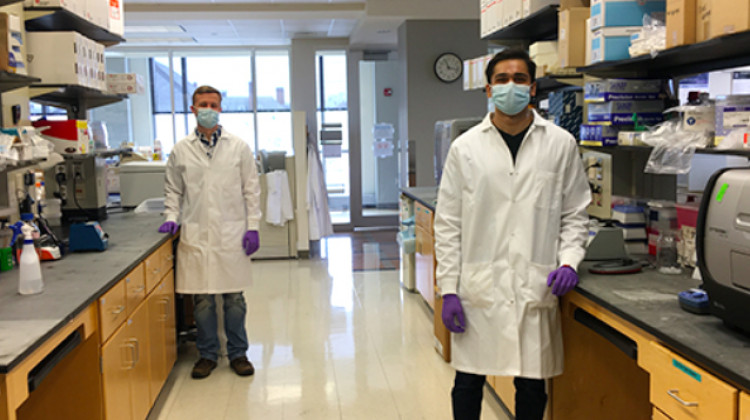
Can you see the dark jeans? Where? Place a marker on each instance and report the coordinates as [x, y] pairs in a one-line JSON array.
[[531, 397]]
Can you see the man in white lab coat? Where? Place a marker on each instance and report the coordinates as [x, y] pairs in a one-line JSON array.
[[510, 231], [212, 190]]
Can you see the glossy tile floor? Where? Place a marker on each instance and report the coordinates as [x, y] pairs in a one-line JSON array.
[[327, 342]]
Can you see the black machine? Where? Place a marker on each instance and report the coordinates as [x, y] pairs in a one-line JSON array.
[[723, 245]]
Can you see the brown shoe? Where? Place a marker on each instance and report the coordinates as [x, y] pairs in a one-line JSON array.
[[203, 368], [242, 366]]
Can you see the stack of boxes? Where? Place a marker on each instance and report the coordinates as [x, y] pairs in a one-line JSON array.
[[125, 83], [497, 14], [571, 35], [615, 105], [66, 58], [11, 42], [612, 24], [544, 55], [107, 14], [566, 106]]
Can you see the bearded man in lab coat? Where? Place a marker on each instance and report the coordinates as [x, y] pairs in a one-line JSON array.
[[510, 229], [212, 189]]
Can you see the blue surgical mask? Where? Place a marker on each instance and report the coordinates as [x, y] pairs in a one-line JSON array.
[[511, 98], [207, 117]]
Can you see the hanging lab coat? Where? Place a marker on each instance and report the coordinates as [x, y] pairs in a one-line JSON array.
[[215, 200], [279, 198], [318, 214], [500, 229]]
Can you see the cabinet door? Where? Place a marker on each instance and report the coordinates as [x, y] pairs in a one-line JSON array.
[[162, 334], [506, 391], [744, 406], [112, 310], [140, 374], [170, 323], [425, 265], [118, 359]]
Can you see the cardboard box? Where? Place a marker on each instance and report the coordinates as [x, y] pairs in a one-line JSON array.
[[115, 18], [125, 83], [11, 43], [729, 17], [703, 20], [496, 15], [681, 22], [598, 135], [621, 112], [512, 11], [76, 6], [57, 57], [571, 36], [588, 41], [69, 136], [612, 43], [608, 13]]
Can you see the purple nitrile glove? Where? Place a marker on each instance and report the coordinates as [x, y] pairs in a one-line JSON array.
[[562, 280], [453, 312], [251, 242], [169, 227]]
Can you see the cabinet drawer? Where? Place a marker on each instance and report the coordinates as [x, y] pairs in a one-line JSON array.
[[135, 287], [112, 309], [744, 406], [682, 390], [155, 265], [658, 415], [425, 244], [167, 258], [423, 217]]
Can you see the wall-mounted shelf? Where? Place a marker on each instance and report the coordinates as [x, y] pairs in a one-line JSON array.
[[60, 19], [539, 26], [21, 164], [715, 54], [76, 99], [647, 149], [554, 82], [10, 81]]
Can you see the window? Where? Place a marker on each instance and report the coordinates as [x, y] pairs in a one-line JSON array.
[[274, 115]]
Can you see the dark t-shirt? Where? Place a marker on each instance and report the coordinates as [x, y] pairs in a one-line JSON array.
[[514, 141]]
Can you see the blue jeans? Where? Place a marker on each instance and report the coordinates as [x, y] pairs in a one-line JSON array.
[[234, 325]]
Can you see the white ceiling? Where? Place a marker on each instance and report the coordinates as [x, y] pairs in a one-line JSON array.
[[201, 23]]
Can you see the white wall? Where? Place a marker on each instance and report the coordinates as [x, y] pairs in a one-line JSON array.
[[426, 99]]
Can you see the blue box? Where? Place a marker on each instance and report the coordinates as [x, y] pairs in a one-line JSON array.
[[609, 44], [598, 135], [606, 90], [609, 13], [621, 112]]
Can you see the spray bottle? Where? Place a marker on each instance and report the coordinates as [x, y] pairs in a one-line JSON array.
[[30, 280]]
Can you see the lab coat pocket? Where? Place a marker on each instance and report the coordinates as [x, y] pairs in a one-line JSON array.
[[546, 222], [232, 233], [535, 290], [547, 190], [476, 285]]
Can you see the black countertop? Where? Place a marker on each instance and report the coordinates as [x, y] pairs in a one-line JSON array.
[[71, 284], [425, 195], [649, 301]]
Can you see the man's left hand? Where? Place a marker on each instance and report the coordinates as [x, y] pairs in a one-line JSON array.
[[250, 242], [562, 280]]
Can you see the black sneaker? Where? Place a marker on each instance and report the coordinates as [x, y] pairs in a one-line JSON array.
[[242, 366], [203, 368]]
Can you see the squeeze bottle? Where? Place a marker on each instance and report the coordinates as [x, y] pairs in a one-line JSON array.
[[30, 280]]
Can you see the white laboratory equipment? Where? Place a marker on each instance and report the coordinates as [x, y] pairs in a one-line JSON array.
[[140, 181]]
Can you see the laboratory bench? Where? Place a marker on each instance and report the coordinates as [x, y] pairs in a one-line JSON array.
[[631, 352], [100, 340]]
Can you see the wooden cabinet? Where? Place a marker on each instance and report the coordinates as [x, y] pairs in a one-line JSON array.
[[112, 310], [744, 406], [126, 367], [425, 254], [442, 335], [140, 354], [504, 388], [683, 390], [162, 333]]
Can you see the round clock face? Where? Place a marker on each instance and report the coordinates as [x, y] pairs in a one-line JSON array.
[[448, 67]]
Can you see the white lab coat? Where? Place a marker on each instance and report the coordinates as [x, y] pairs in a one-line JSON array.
[[319, 216], [278, 199], [216, 200], [500, 229]]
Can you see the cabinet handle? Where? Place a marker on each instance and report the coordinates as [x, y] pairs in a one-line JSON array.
[[155, 271], [165, 315], [132, 353], [139, 289], [673, 393], [119, 310], [170, 258], [136, 351]]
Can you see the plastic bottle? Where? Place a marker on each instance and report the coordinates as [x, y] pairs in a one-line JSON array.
[[157, 150], [30, 281]]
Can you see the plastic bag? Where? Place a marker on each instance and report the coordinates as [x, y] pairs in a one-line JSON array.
[[673, 148], [652, 38]]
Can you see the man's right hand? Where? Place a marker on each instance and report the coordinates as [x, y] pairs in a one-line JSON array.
[[453, 314], [169, 227]]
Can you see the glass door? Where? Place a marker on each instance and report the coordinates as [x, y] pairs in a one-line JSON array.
[[333, 132]]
